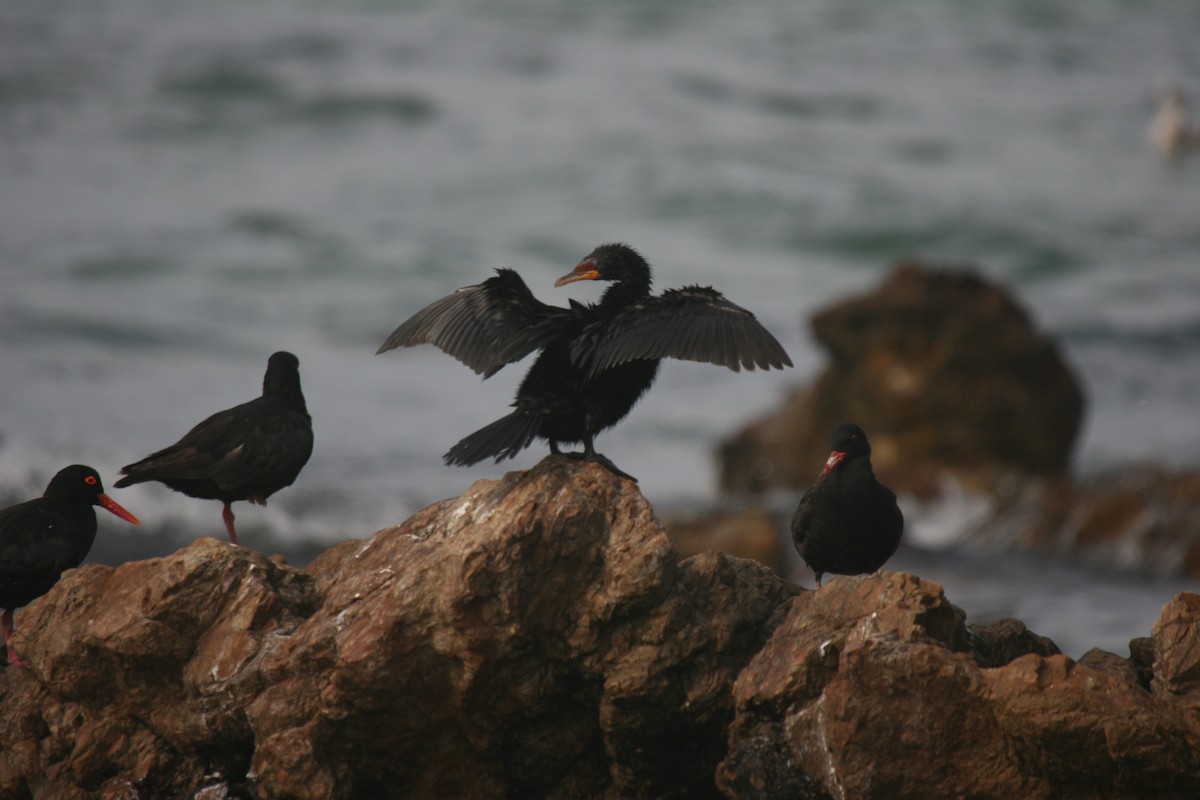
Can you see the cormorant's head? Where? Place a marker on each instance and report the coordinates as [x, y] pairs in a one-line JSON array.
[[847, 441], [609, 262]]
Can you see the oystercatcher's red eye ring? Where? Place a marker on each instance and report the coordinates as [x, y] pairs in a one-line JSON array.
[[90, 480]]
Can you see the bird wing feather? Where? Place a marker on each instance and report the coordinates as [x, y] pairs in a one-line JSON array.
[[801, 519], [694, 323], [484, 326]]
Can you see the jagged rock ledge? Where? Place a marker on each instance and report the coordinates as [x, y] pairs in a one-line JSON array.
[[538, 637]]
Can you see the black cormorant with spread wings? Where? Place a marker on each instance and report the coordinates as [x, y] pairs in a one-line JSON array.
[[596, 359]]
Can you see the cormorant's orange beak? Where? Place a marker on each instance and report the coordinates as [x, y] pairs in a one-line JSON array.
[[586, 271], [108, 504], [835, 458]]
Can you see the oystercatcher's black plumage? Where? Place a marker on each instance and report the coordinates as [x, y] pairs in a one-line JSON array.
[[247, 452], [596, 360], [847, 523], [42, 538]]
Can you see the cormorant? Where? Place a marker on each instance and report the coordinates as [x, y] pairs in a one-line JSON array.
[[596, 359]]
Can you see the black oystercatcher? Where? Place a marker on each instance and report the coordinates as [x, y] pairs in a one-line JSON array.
[[596, 360], [847, 523], [247, 452], [40, 539]]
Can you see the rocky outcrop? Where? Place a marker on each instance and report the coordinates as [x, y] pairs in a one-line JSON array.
[[538, 629], [535, 637], [1001, 642], [868, 689], [141, 675], [1143, 517], [749, 532], [946, 373], [539, 636]]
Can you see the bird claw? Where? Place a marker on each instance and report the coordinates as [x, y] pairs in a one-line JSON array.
[[603, 461]]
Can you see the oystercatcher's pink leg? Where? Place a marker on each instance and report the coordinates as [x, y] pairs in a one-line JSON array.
[[6, 622], [227, 515]]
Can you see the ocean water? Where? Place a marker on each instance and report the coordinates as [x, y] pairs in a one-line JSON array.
[[188, 187]]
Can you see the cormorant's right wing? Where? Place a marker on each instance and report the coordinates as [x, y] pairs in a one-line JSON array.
[[484, 326], [695, 323]]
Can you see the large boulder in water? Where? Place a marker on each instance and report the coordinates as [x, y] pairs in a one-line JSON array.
[[945, 371]]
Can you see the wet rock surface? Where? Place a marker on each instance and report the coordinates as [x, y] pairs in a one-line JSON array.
[[539, 636]]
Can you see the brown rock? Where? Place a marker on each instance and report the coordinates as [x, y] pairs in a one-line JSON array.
[[1177, 652], [1113, 664], [141, 673], [946, 373], [1083, 733], [668, 703], [1142, 517], [1141, 658], [746, 533], [454, 628], [842, 677], [864, 691], [539, 637], [539, 628], [1001, 642]]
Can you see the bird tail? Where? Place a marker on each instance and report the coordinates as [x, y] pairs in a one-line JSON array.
[[502, 439], [129, 480]]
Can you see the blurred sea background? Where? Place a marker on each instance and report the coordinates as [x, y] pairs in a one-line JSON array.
[[187, 187]]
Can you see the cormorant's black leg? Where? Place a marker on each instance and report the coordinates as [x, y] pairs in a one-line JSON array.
[[589, 454]]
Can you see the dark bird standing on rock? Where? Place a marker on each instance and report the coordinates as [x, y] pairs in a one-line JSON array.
[[247, 452], [42, 538], [847, 523], [596, 360]]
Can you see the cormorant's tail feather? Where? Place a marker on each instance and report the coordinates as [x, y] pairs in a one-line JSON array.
[[502, 439]]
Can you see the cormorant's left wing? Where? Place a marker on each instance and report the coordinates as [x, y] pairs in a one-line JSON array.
[[694, 323], [484, 326]]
